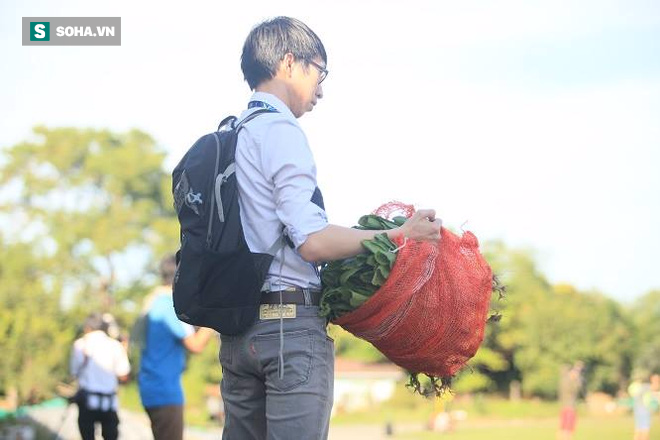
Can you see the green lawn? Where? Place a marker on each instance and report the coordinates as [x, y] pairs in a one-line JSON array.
[[492, 418], [406, 407], [488, 418], [588, 428]]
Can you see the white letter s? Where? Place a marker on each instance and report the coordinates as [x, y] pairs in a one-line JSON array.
[[39, 31]]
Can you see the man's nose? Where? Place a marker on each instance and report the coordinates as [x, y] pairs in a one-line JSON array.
[[319, 91]]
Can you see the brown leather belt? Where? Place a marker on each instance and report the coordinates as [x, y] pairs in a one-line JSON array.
[[292, 296]]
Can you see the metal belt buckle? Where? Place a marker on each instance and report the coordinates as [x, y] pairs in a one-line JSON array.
[[273, 311]]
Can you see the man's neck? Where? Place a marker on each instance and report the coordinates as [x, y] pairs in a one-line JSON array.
[[275, 88]]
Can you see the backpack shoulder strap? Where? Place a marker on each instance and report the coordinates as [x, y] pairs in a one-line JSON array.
[[251, 116], [221, 177], [227, 122]]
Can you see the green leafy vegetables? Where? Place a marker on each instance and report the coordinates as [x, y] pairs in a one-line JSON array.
[[349, 283]]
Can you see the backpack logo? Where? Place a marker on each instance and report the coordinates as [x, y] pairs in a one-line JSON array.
[[193, 199], [184, 194]]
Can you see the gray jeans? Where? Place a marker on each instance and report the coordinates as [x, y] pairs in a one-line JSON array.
[[258, 403]]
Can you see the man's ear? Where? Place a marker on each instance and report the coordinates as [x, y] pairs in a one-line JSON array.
[[287, 63]]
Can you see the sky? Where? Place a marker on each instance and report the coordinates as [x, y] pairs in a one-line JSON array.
[[536, 123]]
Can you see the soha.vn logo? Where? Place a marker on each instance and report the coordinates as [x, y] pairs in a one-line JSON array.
[[39, 31]]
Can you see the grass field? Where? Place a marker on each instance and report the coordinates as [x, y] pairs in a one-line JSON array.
[[488, 418], [588, 428], [491, 418]]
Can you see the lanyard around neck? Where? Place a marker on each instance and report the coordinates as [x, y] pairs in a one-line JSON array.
[[261, 104]]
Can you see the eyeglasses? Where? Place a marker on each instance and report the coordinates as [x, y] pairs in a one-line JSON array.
[[323, 72]]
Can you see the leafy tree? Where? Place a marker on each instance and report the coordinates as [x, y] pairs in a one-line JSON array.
[[90, 200], [33, 330], [83, 213], [352, 347], [544, 327], [478, 375], [645, 314]]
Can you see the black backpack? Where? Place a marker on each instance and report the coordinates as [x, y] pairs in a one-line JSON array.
[[218, 280]]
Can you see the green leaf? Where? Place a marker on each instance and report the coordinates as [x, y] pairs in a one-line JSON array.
[[347, 273], [399, 220], [357, 299], [374, 246]]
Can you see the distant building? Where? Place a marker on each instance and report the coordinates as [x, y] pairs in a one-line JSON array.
[[359, 385]]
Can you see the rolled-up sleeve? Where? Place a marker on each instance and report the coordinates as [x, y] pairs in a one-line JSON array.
[[288, 163]]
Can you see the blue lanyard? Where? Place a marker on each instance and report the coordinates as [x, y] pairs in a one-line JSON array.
[[261, 104]]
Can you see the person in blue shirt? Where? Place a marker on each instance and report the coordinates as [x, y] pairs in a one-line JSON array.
[[163, 357]]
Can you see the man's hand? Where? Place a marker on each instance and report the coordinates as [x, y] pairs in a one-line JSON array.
[[124, 379], [196, 342], [422, 226]]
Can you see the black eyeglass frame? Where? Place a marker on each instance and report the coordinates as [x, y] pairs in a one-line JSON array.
[[323, 71]]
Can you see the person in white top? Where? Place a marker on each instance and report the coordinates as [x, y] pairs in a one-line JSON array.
[[278, 374], [99, 362]]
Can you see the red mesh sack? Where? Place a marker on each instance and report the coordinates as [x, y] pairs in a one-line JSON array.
[[429, 315]]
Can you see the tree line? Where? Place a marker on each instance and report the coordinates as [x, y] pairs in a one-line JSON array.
[[85, 215]]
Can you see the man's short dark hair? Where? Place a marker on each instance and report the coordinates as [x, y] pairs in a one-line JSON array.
[[268, 43], [167, 269], [94, 321]]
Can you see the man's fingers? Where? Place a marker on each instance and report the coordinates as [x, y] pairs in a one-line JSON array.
[[427, 213], [423, 225]]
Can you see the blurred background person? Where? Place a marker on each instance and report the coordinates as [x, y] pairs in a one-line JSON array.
[[99, 362], [163, 356], [570, 385], [644, 400]]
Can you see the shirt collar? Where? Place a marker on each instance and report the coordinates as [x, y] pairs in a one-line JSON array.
[[95, 334], [274, 101]]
